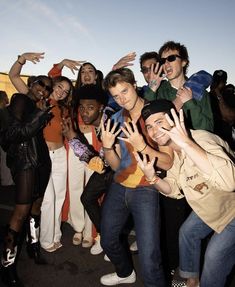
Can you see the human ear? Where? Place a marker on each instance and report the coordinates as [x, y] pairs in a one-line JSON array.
[[184, 63]]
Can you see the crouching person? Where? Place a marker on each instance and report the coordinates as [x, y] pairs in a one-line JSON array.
[[204, 170]]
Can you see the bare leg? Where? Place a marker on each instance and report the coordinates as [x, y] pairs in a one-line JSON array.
[[192, 282]]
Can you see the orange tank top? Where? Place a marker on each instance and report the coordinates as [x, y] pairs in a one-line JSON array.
[[53, 131]]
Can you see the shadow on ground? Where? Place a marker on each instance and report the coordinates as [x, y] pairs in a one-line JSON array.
[[68, 266]]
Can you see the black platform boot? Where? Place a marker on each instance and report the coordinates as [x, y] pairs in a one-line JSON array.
[[33, 244], [8, 261]]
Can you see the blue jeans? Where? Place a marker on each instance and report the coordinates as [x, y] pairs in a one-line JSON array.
[[143, 204], [220, 253]]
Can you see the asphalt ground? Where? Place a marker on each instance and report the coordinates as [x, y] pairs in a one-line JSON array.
[[67, 267]]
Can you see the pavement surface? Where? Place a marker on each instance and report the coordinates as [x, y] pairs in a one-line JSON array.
[[68, 266]]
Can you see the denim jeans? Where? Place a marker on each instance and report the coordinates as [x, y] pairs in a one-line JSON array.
[[143, 204], [220, 253]]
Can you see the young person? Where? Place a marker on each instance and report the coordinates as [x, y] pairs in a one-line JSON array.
[[78, 172], [50, 235], [190, 95], [204, 170], [130, 193], [175, 62], [30, 165], [173, 212], [92, 103]]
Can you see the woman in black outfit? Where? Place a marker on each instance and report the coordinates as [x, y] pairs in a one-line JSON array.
[[29, 162]]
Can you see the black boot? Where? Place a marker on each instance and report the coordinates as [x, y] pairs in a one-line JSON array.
[[8, 269], [10, 277], [33, 244]]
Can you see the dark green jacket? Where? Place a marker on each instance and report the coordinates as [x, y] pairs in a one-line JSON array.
[[198, 113]]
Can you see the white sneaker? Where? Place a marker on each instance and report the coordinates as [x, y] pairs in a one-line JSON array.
[[112, 279], [96, 248], [134, 247], [106, 258]]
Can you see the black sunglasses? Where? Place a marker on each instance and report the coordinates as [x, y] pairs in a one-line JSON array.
[[43, 85], [170, 58]]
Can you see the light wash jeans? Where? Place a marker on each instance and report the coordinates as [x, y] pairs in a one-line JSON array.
[[220, 253]]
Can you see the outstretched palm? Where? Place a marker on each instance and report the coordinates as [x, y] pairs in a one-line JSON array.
[[146, 166], [177, 133]]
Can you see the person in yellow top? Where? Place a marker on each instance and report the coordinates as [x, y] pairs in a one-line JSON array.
[[204, 172], [130, 193]]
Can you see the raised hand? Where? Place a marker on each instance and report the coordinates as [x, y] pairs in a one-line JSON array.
[[156, 76], [46, 115], [73, 65], [184, 94], [67, 128], [133, 136], [125, 61], [33, 57], [108, 133], [177, 132], [146, 166]]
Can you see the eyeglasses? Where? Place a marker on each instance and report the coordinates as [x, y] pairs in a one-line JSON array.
[[43, 85], [170, 58]]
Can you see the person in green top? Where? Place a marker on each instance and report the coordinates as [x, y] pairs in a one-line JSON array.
[[173, 65], [167, 79]]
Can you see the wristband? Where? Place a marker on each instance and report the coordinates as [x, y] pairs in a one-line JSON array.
[[19, 61], [154, 180], [107, 148], [142, 148]]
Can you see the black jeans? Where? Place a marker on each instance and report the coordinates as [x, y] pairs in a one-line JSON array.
[[173, 214], [97, 186]]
